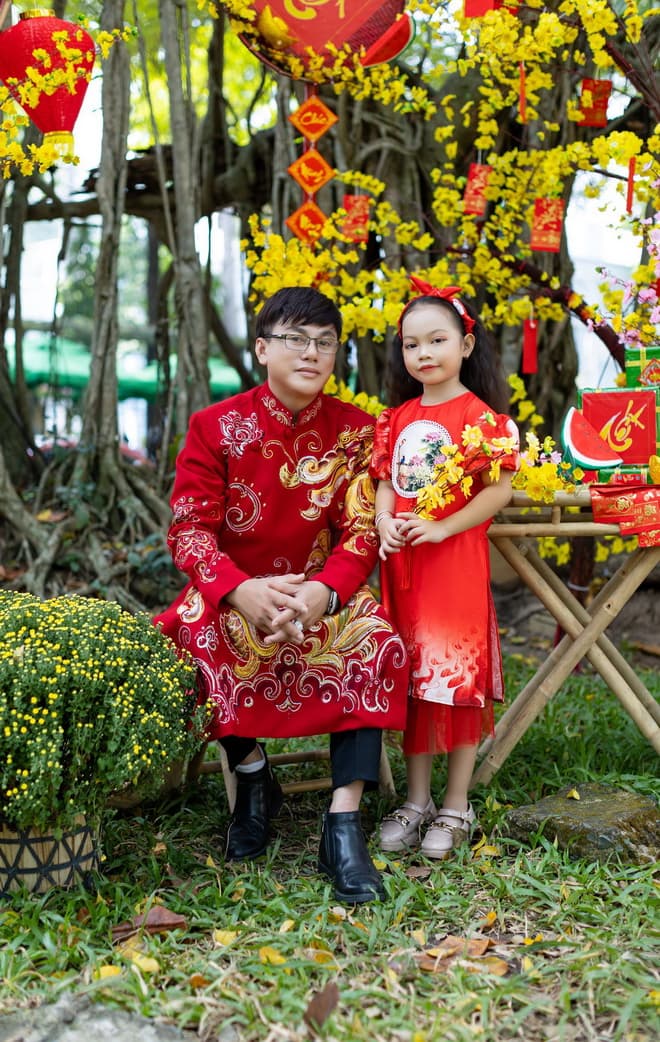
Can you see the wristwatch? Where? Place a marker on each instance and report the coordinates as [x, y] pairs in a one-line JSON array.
[[333, 603]]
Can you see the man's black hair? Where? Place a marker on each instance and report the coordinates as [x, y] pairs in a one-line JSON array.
[[298, 306]]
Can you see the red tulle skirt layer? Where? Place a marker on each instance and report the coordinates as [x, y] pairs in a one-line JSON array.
[[435, 728]]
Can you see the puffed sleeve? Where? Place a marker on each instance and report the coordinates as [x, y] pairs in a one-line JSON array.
[[507, 430], [198, 507], [380, 466]]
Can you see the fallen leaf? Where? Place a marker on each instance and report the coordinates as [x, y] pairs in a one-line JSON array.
[[321, 1005], [440, 958], [489, 920], [271, 956], [573, 795], [319, 955], [145, 963], [418, 872], [337, 914], [287, 925], [159, 848], [419, 936], [157, 920], [198, 980], [225, 937], [105, 971], [490, 963], [51, 515]]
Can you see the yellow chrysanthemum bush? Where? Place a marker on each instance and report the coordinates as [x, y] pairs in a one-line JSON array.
[[93, 700]]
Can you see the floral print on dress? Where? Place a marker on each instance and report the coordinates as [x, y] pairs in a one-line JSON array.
[[237, 432], [416, 453]]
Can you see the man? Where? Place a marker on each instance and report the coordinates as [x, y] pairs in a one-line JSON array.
[[273, 525]]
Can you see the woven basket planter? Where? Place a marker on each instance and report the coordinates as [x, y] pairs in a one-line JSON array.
[[39, 861]]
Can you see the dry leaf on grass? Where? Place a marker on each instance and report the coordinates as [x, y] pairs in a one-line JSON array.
[[418, 872], [321, 1005], [157, 920], [469, 951]]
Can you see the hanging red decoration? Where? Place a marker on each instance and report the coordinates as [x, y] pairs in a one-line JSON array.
[[287, 34], [594, 113], [630, 187], [474, 200], [313, 118], [522, 93], [46, 64], [307, 222], [356, 223], [478, 8], [530, 346], [547, 225], [311, 171]]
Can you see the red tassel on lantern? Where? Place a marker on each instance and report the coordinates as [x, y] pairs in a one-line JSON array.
[[530, 348], [51, 101]]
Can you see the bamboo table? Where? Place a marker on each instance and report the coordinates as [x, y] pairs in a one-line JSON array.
[[584, 629]]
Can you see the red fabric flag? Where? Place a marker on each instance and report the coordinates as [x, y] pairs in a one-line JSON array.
[[595, 114], [530, 348], [355, 224], [547, 225], [477, 181]]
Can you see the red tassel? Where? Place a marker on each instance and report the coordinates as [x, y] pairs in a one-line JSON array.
[[530, 357], [521, 91], [631, 184]]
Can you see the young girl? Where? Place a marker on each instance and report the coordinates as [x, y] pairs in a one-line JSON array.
[[444, 377]]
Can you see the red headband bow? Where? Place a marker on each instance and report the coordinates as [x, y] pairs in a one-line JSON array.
[[425, 289]]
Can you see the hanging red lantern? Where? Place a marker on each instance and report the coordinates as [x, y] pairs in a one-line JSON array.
[[46, 64], [285, 35]]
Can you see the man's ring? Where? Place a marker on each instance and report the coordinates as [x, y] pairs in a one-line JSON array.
[[298, 624]]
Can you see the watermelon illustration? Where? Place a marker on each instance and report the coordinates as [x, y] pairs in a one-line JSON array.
[[583, 444]]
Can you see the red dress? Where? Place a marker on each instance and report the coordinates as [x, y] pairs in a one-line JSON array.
[[259, 493], [438, 595]]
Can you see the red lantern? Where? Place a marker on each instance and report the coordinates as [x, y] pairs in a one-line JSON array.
[[46, 64], [284, 33]]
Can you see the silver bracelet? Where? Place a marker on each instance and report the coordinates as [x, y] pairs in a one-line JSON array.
[[380, 515]]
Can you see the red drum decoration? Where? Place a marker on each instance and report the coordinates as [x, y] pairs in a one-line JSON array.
[[31, 51], [290, 29]]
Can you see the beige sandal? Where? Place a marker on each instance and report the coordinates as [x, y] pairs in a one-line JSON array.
[[400, 830], [449, 830]]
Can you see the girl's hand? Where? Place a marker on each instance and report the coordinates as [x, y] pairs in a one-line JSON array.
[[391, 539], [416, 530]]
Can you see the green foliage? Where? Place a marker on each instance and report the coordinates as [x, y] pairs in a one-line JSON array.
[[261, 939], [93, 700]]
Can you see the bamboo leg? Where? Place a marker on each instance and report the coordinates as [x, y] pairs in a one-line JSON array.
[[604, 643], [566, 656]]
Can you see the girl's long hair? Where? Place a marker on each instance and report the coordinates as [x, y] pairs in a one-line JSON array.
[[481, 372]]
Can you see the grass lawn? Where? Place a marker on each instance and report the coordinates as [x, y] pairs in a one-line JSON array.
[[561, 949]]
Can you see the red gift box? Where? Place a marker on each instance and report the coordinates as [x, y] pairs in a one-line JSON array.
[[627, 419], [633, 509]]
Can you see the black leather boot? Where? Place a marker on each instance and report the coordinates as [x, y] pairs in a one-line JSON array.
[[258, 799], [343, 856]]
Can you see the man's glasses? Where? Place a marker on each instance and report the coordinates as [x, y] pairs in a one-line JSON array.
[[300, 342]]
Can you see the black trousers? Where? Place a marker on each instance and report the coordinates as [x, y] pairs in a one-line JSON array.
[[354, 755]]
